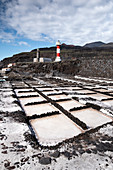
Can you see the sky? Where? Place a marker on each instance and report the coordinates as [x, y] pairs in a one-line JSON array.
[[30, 24]]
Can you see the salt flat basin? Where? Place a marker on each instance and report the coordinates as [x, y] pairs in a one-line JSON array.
[[52, 130], [108, 102], [51, 92], [27, 94], [39, 109], [17, 84], [70, 104], [103, 90], [43, 89], [89, 87], [110, 87], [31, 100], [84, 91], [25, 89], [99, 96], [92, 117], [70, 88], [61, 96]]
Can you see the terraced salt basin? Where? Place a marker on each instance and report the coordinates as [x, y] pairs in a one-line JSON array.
[[51, 92], [99, 96], [108, 102], [70, 104], [25, 92], [43, 89], [69, 88], [92, 117], [103, 90], [110, 87], [19, 84], [89, 87], [27, 100], [61, 96], [39, 109], [52, 130], [84, 91]]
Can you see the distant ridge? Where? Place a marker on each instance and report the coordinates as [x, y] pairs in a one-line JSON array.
[[108, 45], [94, 44], [97, 44], [65, 46]]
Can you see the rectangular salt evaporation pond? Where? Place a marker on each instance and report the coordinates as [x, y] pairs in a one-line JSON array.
[[110, 87], [39, 109], [99, 96], [32, 82], [31, 100], [91, 117], [29, 93], [70, 104], [103, 90], [19, 84], [84, 91], [89, 87], [60, 96], [23, 90], [45, 89], [67, 88], [51, 92], [108, 102], [70, 88], [52, 130]]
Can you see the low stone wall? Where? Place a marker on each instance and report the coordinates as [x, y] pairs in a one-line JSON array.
[[84, 66], [96, 67]]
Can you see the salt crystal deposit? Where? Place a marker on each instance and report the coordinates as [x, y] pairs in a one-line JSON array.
[[70, 104], [54, 129], [92, 117]]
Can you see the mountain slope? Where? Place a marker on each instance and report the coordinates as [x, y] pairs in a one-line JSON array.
[[108, 45], [94, 44]]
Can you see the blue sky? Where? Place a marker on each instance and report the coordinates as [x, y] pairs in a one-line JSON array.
[[30, 24]]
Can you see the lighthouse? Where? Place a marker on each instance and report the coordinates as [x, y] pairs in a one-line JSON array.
[[58, 44]]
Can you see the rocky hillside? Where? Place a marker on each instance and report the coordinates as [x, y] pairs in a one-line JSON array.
[[68, 52]]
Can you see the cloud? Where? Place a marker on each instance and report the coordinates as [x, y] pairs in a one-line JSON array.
[[75, 22], [23, 43], [7, 37]]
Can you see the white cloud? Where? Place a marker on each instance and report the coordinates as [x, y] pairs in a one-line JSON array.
[[23, 43], [6, 37], [75, 22]]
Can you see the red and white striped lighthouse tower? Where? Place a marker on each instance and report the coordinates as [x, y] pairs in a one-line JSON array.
[[58, 44]]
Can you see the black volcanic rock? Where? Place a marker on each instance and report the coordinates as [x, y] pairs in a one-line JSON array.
[[45, 160], [56, 154]]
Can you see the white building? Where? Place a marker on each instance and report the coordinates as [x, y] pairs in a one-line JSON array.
[[45, 60]]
